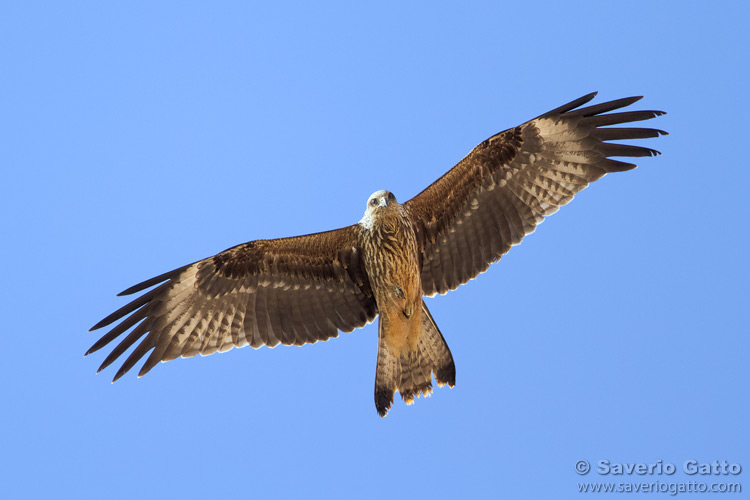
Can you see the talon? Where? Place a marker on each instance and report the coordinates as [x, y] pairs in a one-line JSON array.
[[408, 311]]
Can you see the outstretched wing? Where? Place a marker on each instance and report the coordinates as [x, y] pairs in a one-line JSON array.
[[504, 188], [291, 291]]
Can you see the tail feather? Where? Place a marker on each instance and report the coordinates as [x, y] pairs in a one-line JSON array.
[[416, 377], [434, 346], [411, 373]]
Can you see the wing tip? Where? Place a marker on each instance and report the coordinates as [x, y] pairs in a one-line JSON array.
[[135, 288], [590, 95], [119, 374], [576, 103], [147, 366], [95, 347], [153, 281], [100, 324], [129, 291]]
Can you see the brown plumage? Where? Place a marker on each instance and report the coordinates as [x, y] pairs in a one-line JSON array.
[[303, 289]]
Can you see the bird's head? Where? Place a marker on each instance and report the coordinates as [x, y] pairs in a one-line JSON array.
[[378, 201], [381, 198]]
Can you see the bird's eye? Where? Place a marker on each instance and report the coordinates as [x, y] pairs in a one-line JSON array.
[[374, 202]]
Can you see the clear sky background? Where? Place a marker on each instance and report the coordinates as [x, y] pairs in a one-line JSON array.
[[136, 137]]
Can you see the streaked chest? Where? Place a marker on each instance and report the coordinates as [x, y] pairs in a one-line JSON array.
[[390, 252]]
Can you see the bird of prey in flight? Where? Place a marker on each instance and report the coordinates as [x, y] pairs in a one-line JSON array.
[[304, 289]]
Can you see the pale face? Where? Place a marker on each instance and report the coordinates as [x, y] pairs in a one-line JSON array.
[[380, 198], [377, 200]]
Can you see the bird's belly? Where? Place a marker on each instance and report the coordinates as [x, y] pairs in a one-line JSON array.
[[401, 332], [398, 293]]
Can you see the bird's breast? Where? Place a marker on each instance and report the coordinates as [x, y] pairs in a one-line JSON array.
[[392, 261]]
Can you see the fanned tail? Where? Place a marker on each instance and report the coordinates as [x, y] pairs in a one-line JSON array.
[[411, 373]]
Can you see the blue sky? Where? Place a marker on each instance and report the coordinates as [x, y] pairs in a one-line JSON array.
[[139, 137]]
